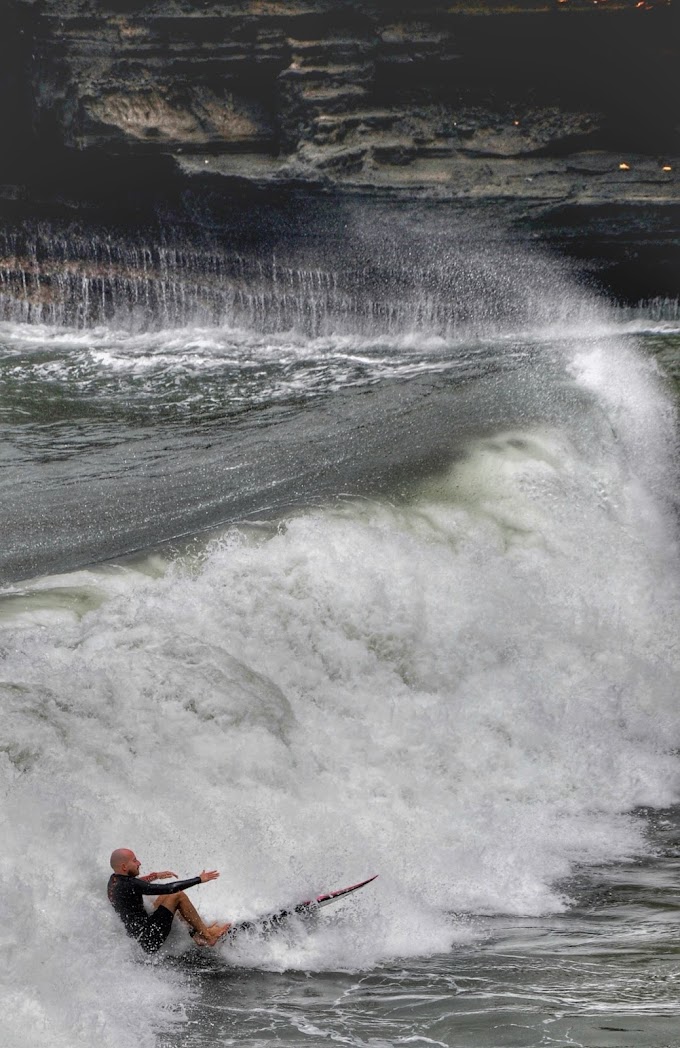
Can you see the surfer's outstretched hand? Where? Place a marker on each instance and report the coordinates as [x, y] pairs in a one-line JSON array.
[[208, 875], [163, 875]]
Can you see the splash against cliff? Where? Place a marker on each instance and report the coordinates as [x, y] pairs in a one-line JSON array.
[[560, 114]]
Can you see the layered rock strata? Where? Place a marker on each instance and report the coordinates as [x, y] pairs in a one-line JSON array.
[[561, 113], [558, 100]]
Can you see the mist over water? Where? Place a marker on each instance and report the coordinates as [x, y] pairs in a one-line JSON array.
[[366, 271], [443, 648]]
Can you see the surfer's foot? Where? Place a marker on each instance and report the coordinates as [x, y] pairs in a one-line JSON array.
[[211, 935]]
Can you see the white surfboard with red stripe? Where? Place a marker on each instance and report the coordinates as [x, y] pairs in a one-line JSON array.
[[329, 897], [272, 921]]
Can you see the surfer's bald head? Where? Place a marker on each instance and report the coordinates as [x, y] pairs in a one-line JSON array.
[[122, 859]]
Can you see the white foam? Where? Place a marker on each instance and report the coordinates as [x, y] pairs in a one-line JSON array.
[[465, 693]]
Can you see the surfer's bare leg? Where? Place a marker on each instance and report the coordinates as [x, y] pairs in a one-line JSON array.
[[205, 934]]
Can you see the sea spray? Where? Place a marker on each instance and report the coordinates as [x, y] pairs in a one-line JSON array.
[[459, 280]]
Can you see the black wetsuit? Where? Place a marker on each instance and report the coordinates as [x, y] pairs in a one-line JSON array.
[[149, 929]]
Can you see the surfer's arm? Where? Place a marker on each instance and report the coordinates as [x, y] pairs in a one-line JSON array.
[[168, 888], [158, 876]]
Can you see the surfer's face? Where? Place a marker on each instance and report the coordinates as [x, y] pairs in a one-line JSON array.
[[133, 865]]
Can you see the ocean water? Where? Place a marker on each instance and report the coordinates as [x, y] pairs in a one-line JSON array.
[[304, 606]]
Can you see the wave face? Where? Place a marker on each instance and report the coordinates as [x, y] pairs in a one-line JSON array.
[[465, 683]]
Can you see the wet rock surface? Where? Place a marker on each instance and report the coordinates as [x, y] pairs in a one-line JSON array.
[[561, 115]]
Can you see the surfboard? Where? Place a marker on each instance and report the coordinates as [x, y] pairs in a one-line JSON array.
[[272, 921], [324, 900]]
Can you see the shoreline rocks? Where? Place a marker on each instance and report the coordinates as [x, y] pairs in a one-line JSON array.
[[558, 115]]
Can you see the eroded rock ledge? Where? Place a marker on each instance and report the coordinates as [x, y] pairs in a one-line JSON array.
[[559, 112]]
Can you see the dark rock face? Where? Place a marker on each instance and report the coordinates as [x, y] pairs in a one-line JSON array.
[[561, 114]]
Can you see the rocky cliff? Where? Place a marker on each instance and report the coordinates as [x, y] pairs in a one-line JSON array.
[[560, 114]]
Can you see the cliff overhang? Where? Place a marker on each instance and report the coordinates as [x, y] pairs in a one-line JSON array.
[[559, 114]]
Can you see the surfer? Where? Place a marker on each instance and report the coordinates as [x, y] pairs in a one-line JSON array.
[[126, 890]]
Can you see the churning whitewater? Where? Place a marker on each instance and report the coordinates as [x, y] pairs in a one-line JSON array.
[[459, 672]]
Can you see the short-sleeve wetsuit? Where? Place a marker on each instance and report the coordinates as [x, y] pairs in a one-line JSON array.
[[149, 929]]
